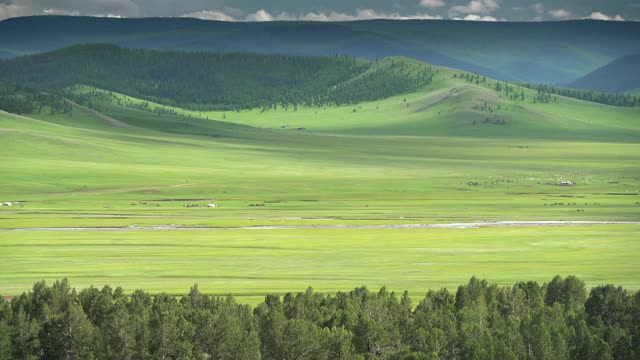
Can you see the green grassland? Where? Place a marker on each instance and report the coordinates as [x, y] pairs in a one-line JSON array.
[[250, 263], [414, 158]]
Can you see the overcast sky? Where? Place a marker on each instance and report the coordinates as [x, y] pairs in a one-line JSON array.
[[327, 10]]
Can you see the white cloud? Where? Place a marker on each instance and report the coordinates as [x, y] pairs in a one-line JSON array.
[[474, 17], [432, 4], [475, 7], [260, 15], [60, 12], [560, 13], [332, 16], [600, 16], [368, 14], [263, 15]]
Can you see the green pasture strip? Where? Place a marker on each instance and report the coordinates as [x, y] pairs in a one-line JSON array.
[[252, 263]]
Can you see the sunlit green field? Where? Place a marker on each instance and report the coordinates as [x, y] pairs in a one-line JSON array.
[[250, 263], [406, 160]]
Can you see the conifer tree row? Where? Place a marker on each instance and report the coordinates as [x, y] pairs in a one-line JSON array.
[[556, 320], [548, 93], [607, 98]]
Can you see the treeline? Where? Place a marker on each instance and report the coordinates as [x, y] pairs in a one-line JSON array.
[[210, 81], [479, 321], [548, 93], [607, 98], [21, 99], [499, 86]]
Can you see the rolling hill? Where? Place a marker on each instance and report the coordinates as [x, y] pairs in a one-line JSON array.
[[550, 52], [394, 96], [620, 75], [225, 81]]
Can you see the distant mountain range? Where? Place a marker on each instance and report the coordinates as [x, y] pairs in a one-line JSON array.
[[542, 52], [620, 75]]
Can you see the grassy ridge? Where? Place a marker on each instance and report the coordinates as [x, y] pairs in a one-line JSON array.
[[447, 107]]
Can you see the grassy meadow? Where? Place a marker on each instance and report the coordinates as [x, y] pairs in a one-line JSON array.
[[250, 263], [416, 158]]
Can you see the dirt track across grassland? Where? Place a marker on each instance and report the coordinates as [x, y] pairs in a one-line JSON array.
[[101, 116], [467, 225]]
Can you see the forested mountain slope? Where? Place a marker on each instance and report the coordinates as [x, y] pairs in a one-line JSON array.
[[547, 52], [220, 81]]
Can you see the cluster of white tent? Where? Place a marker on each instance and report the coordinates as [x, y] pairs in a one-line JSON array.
[[212, 205]]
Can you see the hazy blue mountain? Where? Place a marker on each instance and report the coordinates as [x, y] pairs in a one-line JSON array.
[[549, 52], [622, 74]]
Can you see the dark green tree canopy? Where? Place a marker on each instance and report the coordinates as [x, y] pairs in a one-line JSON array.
[[556, 320], [232, 81]]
